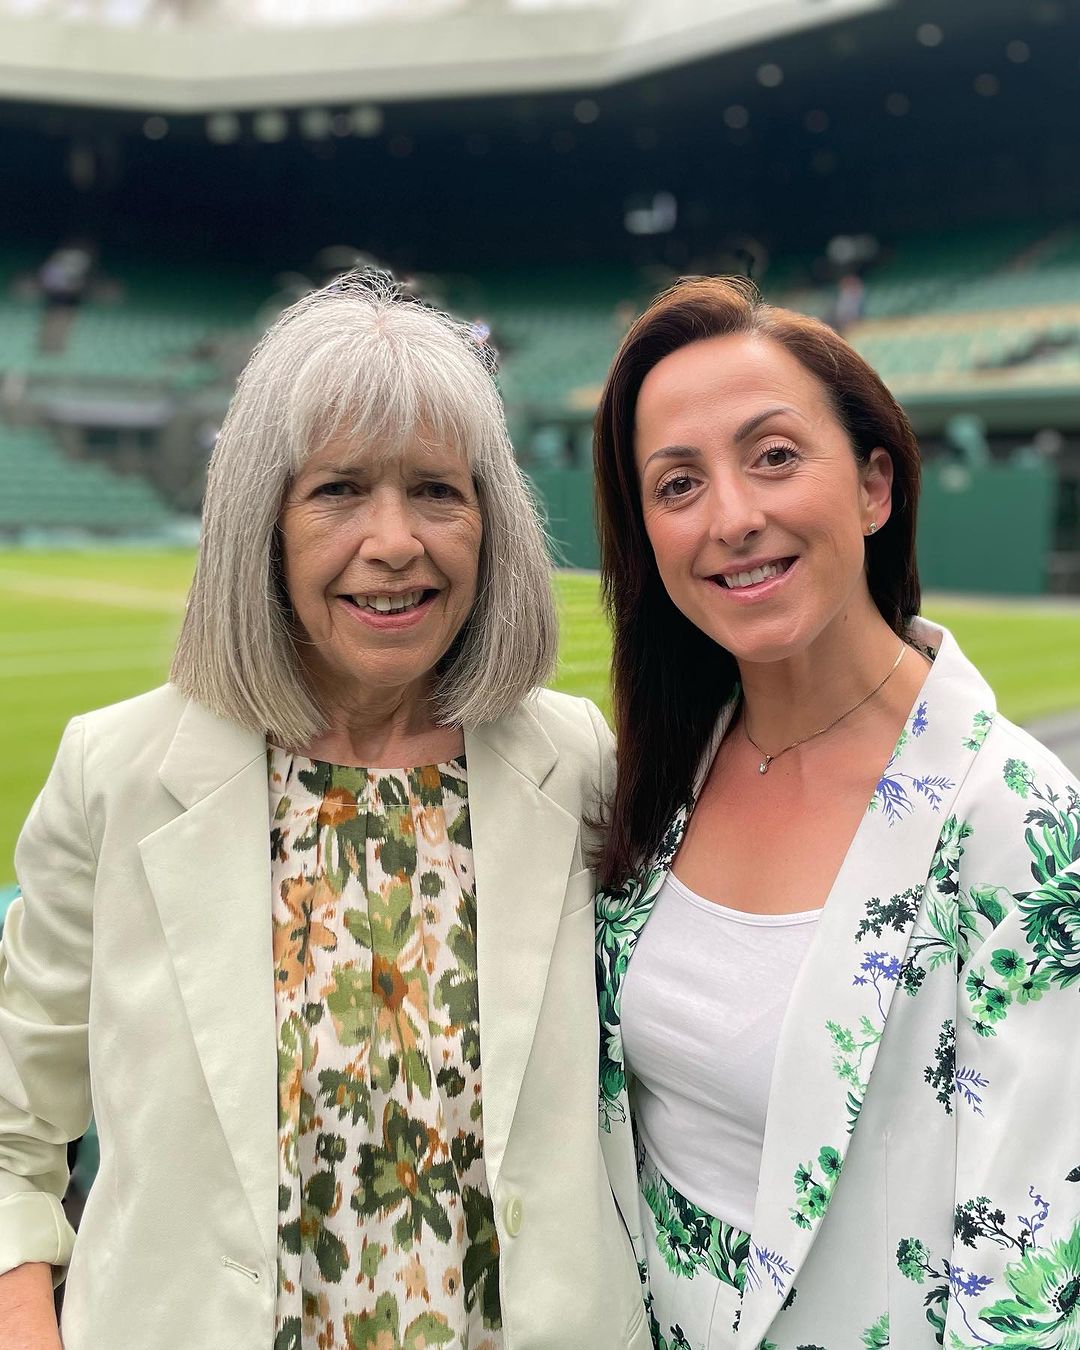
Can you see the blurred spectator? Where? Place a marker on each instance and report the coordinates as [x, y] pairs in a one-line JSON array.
[[965, 434], [848, 304], [62, 280]]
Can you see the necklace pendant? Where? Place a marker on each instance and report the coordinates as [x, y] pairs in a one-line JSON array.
[[763, 767]]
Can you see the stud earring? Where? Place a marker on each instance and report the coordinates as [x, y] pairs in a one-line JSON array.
[[873, 527]]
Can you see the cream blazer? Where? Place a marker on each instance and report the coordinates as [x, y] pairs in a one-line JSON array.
[[136, 980]]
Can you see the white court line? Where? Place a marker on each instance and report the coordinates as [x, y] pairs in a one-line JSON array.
[[25, 668], [73, 641], [94, 592]]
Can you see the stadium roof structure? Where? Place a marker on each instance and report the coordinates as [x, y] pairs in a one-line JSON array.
[[206, 55]]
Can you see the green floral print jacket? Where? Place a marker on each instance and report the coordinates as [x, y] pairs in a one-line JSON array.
[[920, 1182]]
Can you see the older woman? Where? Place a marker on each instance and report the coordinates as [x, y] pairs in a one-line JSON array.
[[312, 926], [839, 938]]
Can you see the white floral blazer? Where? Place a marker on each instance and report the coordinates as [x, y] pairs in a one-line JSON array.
[[920, 1183]]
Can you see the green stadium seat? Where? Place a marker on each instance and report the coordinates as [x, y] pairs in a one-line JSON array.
[[45, 489]]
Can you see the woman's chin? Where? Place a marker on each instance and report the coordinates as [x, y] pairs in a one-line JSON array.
[[766, 653], [753, 644]]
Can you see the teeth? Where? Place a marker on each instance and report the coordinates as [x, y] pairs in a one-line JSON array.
[[389, 604], [739, 579]]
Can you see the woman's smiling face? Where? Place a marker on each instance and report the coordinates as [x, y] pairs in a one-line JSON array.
[[752, 497], [380, 557]]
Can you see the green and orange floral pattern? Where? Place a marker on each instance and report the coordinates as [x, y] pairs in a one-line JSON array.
[[386, 1235]]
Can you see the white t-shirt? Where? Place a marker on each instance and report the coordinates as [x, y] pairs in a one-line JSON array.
[[702, 1006]]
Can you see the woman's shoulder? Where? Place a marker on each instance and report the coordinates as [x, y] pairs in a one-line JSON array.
[[155, 713], [957, 689], [127, 737], [1018, 807], [567, 716], [160, 737], [577, 728], [1011, 754], [118, 747], [556, 734]]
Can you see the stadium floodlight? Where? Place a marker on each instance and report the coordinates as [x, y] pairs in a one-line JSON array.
[[223, 128], [270, 125], [316, 123], [366, 119]]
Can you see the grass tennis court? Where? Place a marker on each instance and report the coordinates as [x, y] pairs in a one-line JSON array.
[[78, 630]]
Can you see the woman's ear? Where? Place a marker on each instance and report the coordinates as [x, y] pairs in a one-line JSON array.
[[877, 481]]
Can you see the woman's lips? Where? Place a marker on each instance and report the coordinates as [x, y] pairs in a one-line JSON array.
[[755, 583], [390, 620]]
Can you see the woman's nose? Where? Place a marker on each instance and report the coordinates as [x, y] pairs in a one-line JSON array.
[[390, 533], [735, 513]]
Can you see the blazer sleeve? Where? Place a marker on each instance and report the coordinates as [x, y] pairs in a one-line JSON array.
[[45, 959], [1014, 1271]]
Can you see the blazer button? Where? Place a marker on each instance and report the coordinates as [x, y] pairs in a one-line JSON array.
[[513, 1216]]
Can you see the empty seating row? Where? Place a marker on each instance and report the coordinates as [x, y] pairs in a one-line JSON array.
[[45, 489]]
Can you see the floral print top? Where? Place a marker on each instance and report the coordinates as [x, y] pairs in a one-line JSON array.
[[386, 1235]]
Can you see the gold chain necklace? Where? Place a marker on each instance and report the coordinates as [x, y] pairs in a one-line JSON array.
[[763, 767]]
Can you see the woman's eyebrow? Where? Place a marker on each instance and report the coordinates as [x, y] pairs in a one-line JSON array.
[[443, 467], [744, 430], [752, 423], [672, 452]]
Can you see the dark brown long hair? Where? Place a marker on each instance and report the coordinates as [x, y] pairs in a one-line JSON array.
[[670, 679]]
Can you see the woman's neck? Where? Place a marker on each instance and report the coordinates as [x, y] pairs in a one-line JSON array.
[[790, 699], [386, 729]]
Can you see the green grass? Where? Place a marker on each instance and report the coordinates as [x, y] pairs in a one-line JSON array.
[[79, 630]]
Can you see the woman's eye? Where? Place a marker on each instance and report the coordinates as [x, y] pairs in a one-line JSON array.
[[676, 486], [777, 456], [440, 492], [337, 488]]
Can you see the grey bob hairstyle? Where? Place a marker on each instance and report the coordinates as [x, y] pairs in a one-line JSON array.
[[355, 360]]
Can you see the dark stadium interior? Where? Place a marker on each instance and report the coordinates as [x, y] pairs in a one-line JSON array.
[[460, 183], [928, 149]]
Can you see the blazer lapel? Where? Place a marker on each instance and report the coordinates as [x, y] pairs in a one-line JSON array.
[[523, 853], [841, 1000], [209, 872], [621, 914]]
